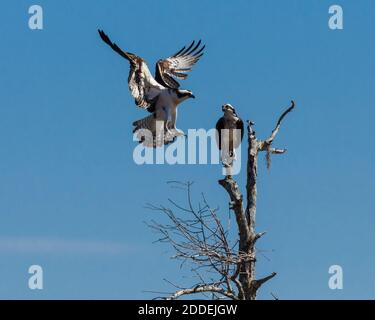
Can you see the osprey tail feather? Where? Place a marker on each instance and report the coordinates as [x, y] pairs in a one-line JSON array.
[[152, 132]]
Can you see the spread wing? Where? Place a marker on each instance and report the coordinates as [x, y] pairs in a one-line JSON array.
[[178, 65], [143, 87]]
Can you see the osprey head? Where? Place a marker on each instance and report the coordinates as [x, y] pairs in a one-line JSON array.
[[182, 95], [228, 109]]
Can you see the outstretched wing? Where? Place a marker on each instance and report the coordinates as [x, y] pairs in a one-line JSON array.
[[177, 66], [143, 87]]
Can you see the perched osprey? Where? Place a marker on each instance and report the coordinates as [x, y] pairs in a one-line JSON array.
[[227, 137], [160, 95]]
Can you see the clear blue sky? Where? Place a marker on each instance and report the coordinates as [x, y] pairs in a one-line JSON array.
[[71, 197]]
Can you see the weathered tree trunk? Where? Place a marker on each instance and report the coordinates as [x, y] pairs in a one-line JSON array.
[[246, 219], [248, 284], [201, 239], [251, 192]]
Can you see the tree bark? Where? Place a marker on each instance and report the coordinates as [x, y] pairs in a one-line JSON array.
[[201, 239], [245, 219]]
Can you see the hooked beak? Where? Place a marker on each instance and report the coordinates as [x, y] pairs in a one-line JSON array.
[[192, 96]]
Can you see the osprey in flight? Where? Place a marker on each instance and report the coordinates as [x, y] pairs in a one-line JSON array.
[[160, 95], [229, 134]]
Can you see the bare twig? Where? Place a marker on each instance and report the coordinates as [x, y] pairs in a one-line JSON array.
[[224, 267], [259, 282], [275, 131], [200, 289]]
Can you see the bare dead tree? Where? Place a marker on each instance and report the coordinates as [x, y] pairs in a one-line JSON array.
[[224, 267]]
